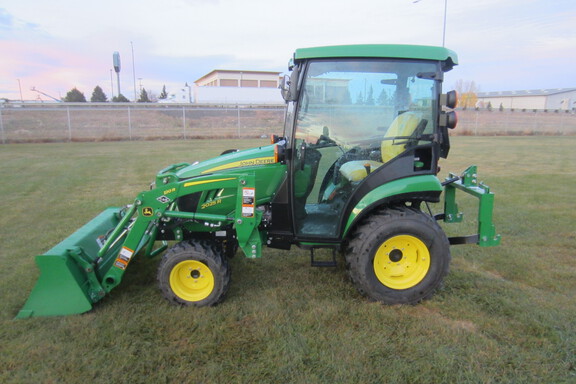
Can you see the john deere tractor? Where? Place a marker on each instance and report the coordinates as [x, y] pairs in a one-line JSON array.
[[355, 172]]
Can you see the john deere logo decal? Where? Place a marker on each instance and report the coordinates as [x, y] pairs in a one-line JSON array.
[[147, 211]]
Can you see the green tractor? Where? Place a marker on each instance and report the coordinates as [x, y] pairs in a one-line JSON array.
[[354, 172]]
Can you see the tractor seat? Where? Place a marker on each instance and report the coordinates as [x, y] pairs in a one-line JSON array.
[[357, 170], [403, 126]]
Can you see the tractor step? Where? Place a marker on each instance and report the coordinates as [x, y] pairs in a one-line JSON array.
[[323, 263]]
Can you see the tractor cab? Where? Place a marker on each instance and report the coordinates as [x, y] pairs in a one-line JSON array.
[[354, 123]]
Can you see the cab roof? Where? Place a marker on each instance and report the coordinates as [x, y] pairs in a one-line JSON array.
[[392, 51]]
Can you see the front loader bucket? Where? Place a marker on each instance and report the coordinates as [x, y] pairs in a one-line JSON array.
[[69, 281]]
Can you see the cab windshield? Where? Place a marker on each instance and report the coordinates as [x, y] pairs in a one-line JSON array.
[[358, 100]]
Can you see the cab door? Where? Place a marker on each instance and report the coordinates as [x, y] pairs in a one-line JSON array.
[[349, 112]]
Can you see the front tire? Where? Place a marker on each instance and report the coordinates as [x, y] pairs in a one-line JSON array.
[[194, 274], [398, 256]]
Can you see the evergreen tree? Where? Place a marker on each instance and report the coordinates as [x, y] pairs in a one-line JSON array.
[[347, 99], [163, 94], [370, 98], [143, 96], [383, 98], [98, 95], [75, 96], [120, 99]]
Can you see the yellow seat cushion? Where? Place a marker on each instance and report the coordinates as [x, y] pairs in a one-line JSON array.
[[356, 170], [403, 125]]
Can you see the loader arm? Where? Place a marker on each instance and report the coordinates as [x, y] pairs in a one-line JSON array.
[[87, 265]]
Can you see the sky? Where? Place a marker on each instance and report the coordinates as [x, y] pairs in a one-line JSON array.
[[54, 46]]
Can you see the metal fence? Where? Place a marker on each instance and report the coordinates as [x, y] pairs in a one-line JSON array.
[[108, 122], [63, 122], [484, 122]]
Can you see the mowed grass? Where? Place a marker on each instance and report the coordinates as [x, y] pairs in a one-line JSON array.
[[505, 315]]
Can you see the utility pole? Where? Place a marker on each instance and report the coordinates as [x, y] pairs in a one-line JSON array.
[[444, 22], [134, 72], [20, 86], [444, 28]]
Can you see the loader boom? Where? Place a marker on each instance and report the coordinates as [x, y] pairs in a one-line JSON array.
[[76, 273]]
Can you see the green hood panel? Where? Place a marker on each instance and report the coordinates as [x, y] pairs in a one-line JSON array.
[[230, 162], [216, 173]]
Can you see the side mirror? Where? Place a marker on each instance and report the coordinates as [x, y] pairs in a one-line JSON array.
[[284, 87], [289, 84]]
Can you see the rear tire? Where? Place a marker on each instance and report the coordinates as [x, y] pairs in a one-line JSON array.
[[194, 274], [398, 256]]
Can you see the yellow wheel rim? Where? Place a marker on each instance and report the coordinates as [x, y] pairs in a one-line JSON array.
[[192, 280], [401, 262]]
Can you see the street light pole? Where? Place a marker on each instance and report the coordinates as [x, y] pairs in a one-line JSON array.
[[444, 22], [133, 71], [444, 28], [20, 87]]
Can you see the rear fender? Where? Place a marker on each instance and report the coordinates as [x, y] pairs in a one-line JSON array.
[[423, 187]]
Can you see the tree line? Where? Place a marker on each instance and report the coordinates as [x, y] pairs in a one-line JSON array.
[[98, 96], [467, 96]]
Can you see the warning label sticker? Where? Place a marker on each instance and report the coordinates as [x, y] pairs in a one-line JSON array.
[[248, 201], [123, 258], [126, 254], [247, 211]]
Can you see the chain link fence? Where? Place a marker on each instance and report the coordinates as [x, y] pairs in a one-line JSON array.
[[484, 122], [68, 122], [88, 122]]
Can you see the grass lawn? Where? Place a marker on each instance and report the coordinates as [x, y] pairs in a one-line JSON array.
[[506, 314]]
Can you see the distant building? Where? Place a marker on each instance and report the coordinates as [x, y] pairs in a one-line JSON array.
[[337, 89], [242, 79], [552, 99], [242, 87]]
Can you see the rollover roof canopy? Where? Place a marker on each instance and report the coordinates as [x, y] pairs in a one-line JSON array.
[[393, 51]]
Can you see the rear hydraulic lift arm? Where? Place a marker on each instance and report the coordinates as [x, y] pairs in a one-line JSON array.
[[468, 183]]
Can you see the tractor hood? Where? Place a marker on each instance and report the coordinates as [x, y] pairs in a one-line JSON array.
[[231, 162]]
